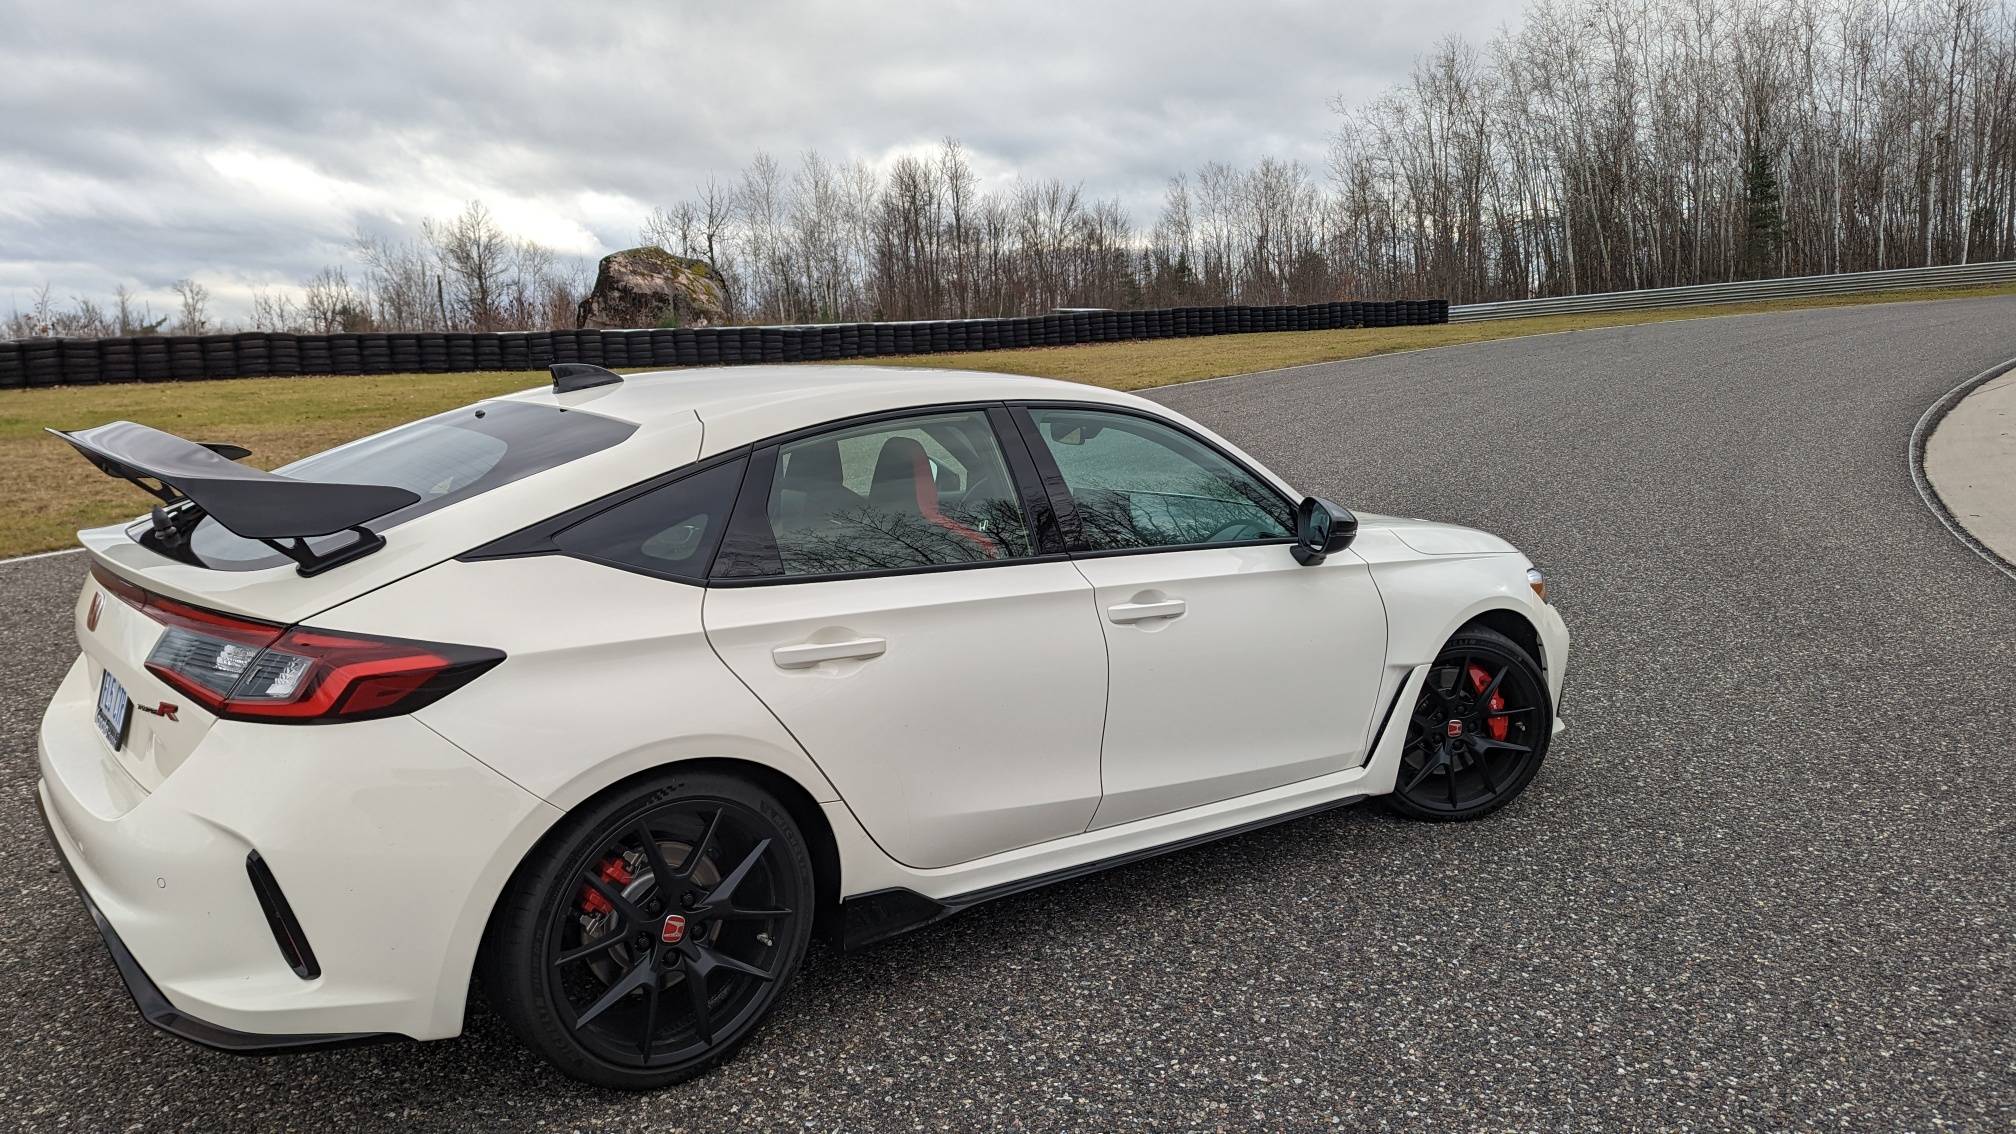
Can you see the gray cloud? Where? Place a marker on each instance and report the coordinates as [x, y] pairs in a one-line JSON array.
[[242, 144]]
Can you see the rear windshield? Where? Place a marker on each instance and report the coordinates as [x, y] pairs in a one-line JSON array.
[[445, 458]]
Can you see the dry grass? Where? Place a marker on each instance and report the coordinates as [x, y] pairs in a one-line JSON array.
[[49, 493]]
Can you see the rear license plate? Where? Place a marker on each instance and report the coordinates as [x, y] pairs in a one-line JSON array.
[[115, 710]]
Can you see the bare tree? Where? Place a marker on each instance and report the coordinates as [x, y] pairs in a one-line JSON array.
[[195, 299]]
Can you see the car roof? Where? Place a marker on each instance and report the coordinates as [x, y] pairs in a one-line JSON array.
[[740, 404]]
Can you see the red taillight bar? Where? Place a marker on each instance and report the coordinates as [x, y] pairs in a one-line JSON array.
[[295, 675]]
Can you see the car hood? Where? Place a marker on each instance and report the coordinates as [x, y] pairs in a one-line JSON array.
[[1427, 537]]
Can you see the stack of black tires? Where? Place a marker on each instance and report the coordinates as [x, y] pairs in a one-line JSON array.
[[163, 358]]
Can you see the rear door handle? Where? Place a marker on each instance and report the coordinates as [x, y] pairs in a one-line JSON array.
[[1143, 611], [812, 653]]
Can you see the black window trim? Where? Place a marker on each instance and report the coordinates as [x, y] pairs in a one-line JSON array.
[[1067, 508], [1055, 534], [751, 512], [538, 538]]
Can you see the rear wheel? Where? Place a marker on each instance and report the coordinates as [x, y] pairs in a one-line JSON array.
[[1477, 733], [652, 930]]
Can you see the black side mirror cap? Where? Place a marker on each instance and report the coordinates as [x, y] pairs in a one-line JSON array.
[[1322, 528]]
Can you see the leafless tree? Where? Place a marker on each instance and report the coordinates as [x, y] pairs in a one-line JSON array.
[[195, 299]]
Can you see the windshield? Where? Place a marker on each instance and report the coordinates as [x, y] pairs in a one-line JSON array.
[[449, 457]]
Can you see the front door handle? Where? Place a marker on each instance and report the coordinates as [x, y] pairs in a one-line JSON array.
[[1143, 611], [812, 653]]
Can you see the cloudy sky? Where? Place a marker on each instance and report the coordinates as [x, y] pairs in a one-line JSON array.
[[243, 144]]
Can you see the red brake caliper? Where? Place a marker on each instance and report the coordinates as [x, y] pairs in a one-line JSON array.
[[614, 872], [1498, 726]]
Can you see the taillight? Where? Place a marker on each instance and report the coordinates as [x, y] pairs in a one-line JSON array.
[[325, 675], [245, 669]]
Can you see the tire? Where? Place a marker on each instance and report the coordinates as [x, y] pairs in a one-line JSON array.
[[1459, 762], [550, 974]]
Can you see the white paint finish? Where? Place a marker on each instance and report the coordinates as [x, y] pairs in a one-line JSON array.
[[741, 404], [607, 673], [389, 842], [155, 745], [1428, 598], [977, 730], [952, 722], [1431, 538], [1265, 676]]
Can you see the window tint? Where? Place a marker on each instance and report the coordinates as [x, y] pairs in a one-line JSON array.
[[668, 531], [445, 458], [918, 492], [1138, 483]]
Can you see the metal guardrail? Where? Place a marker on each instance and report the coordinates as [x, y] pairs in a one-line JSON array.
[[1847, 283]]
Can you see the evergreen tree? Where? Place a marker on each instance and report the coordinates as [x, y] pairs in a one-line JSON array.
[[1764, 220]]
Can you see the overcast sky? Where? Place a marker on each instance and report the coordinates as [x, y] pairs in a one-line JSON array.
[[244, 144]]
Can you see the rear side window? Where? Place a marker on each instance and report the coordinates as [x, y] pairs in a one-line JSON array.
[[670, 531], [926, 491], [445, 458]]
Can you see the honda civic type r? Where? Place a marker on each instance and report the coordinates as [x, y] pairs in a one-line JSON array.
[[610, 694]]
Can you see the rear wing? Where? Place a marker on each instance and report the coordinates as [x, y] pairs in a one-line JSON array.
[[276, 510]]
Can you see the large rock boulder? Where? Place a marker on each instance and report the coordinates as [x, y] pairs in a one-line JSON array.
[[650, 287]]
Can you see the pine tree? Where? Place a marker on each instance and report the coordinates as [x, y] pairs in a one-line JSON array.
[[1764, 222]]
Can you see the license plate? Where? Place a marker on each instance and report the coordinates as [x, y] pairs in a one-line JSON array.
[[115, 710]]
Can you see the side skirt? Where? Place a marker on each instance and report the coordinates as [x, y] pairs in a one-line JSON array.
[[868, 918]]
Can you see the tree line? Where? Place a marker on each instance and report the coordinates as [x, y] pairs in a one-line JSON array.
[[1602, 145]]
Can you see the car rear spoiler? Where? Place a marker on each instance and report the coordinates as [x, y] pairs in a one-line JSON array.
[[276, 510]]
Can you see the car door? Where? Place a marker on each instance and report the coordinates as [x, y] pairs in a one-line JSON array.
[[1233, 668], [882, 590]]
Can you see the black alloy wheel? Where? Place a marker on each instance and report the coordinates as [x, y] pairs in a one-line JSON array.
[[1477, 733], [652, 930]]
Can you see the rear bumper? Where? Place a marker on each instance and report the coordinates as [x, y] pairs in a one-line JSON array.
[[156, 1009], [389, 845]]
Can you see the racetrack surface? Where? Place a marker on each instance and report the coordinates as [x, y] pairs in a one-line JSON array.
[[1764, 881]]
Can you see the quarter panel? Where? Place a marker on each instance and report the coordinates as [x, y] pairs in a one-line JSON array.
[[607, 673]]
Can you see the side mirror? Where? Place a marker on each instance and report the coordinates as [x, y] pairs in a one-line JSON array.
[[1320, 529]]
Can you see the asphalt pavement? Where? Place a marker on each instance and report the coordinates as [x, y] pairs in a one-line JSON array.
[[1764, 882]]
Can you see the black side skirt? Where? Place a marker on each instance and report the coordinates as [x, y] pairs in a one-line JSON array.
[[156, 1010], [868, 918]]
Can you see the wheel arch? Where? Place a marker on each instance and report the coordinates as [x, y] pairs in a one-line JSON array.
[[1514, 625], [798, 800]]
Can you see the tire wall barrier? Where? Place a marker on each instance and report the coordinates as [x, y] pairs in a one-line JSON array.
[[179, 358]]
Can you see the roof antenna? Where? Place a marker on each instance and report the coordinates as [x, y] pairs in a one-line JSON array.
[[571, 376]]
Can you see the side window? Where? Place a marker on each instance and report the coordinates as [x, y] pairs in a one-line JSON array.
[[670, 531], [1138, 483], [916, 492]]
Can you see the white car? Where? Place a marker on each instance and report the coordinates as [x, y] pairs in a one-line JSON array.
[[611, 693]]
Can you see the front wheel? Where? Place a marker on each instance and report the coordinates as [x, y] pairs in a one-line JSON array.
[[652, 930], [1477, 733]]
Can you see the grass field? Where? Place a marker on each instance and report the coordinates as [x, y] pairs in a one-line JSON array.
[[50, 492]]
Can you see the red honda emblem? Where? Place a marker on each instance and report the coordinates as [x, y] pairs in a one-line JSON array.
[[674, 930], [91, 616], [1455, 728]]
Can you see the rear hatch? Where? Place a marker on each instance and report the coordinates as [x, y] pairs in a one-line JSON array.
[[212, 602]]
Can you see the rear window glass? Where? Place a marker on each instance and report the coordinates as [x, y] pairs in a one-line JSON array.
[[445, 458]]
